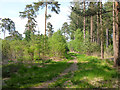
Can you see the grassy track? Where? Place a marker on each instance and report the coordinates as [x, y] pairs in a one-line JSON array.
[[32, 75], [92, 73]]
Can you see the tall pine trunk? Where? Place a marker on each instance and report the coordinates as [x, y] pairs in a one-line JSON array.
[[102, 44], [45, 29], [91, 31], [84, 19], [114, 28], [45, 17], [116, 33], [98, 37], [97, 28], [88, 27], [107, 37]]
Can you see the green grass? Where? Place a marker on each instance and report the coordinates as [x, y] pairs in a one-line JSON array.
[[92, 73], [27, 76], [69, 56], [60, 82]]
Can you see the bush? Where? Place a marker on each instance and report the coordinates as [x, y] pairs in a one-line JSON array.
[[58, 45], [36, 48], [5, 49], [81, 46], [16, 49]]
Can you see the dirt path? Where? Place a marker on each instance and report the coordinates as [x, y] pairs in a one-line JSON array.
[[72, 68]]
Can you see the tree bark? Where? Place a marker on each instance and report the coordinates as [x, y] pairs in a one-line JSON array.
[[84, 19], [45, 29], [102, 45], [116, 33], [98, 38], [88, 27], [4, 33], [107, 37], [114, 28], [45, 17], [91, 31]]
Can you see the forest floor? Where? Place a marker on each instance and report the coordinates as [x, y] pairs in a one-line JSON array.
[[77, 71], [71, 68]]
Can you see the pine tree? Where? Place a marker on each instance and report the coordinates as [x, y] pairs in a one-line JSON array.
[[7, 25], [50, 29], [30, 14], [53, 5]]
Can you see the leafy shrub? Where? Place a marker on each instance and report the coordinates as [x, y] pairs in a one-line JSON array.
[[83, 46], [5, 49], [58, 45]]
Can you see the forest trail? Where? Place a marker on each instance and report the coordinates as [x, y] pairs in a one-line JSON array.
[[72, 69]]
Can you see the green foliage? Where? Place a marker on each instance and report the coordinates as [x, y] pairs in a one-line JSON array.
[[58, 45], [16, 50], [81, 45], [65, 30], [53, 5], [76, 19], [68, 56], [7, 25], [90, 48], [14, 36], [109, 50], [5, 49], [22, 50], [35, 48], [27, 35], [30, 14], [49, 29]]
